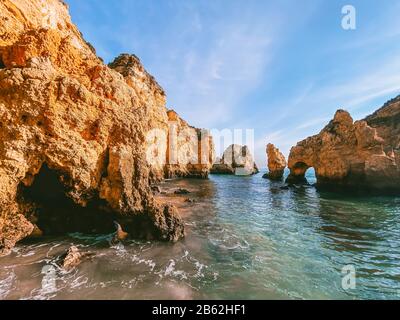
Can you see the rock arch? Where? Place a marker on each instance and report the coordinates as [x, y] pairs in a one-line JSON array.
[[297, 172]]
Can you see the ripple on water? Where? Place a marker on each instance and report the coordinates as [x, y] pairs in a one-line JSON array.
[[246, 238]]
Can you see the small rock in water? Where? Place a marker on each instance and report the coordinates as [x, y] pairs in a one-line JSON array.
[[182, 191], [73, 257], [188, 200], [156, 189], [284, 188], [120, 235]]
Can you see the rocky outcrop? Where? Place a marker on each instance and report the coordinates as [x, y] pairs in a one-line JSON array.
[[363, 155], [73, 258], [276, 163], [154, 101], [236, 160], [190, 151], [65, 114], [173, 147]]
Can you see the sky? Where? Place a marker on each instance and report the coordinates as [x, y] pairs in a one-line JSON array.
[[281, 68]]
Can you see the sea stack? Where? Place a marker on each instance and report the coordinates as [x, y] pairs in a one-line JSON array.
[[276, 163], [361, 155], [236, 160]]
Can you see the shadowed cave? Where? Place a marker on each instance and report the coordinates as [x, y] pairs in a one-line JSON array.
[[56, 214]]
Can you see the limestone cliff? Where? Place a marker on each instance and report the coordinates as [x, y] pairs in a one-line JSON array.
[[237, 160], [362, 155], [190, 151], [276, 163], [75, 134], [154, 101], [173, 147]]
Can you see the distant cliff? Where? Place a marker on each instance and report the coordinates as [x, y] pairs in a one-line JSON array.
[[364, 154], [237, 160]]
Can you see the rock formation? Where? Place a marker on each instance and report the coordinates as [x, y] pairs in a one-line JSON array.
[[237, 160], [73, 258], [362, 155], [173, 147], [276, 163], [190, 151], [67, 118]]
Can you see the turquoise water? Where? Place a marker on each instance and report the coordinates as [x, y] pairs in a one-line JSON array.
[[246, 238]]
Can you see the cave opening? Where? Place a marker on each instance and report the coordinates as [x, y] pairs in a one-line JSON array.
[[55, 213], [2, 65]]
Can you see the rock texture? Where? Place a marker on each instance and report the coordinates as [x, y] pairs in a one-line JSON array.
[[190, 151], [73, 258], [64, 113], [173, 147], [276, 163], [237, 160], [363, 155]]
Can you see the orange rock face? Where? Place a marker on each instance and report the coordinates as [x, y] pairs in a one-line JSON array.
[[63, 112], [363, 154], [190, 151], [276, 163], [173, 147]]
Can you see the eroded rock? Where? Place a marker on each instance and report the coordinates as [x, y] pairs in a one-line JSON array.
[[362, 155], [276, 163], [236, 160], [73, 258], [190, 151], [62, 110]]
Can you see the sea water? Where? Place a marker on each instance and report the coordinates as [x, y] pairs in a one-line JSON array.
[[247, 238]]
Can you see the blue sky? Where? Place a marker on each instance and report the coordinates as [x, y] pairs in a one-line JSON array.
[[281, 67]]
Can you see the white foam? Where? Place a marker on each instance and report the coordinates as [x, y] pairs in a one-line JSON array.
[[6, 285]]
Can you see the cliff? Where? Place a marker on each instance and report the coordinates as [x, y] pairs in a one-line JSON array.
[[190, 151], [362, 155], [77, 137], [173, 147]]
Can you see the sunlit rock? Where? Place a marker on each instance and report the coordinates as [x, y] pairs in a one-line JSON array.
[[236, 160], [362, 155]]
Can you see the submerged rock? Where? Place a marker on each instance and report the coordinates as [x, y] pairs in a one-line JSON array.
[[236, 160], [276, 163], [181, 191], [362, 155], [74, 257]]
